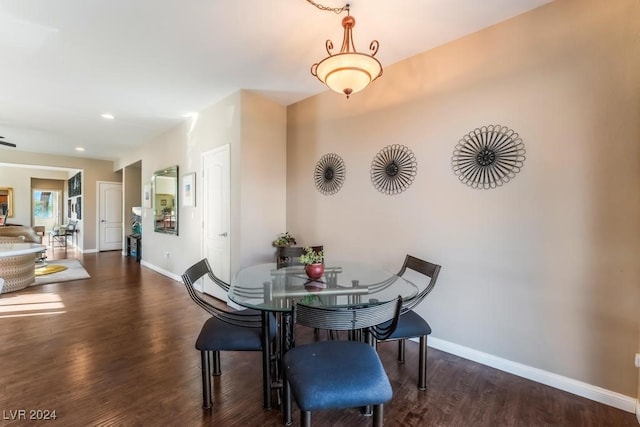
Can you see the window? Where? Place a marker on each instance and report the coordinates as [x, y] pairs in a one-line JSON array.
[[43, 204]]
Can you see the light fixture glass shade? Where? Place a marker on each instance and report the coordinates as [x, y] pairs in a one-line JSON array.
[[348, 72]]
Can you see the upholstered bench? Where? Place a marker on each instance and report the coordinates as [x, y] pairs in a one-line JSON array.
[[17, 263]]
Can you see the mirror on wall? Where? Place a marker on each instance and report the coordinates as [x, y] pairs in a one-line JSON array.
[[165, 200], [6, 201]]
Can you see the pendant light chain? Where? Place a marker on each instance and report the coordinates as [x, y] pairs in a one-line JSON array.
[[336, 10]]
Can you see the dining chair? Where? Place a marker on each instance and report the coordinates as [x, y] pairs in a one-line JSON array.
[[411, 324], [339, 374], [273, 322], [290, 255], [61, 233], [224, 331]]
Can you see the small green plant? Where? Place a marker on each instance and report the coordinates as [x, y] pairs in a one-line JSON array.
[[309, 299], [311, 257], [284, 240]]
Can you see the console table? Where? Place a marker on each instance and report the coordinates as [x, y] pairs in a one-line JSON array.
[[134, 246]]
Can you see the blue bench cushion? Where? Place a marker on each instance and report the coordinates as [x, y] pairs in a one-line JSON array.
[[336, 374]]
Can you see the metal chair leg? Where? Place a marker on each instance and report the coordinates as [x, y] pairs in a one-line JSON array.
[[422, 364], [215, 363], [401, 351], [305, 418], [378, 415], [206, 380], [266, 361], [286, 402]]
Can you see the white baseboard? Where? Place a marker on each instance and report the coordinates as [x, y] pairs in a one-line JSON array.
[[198, 285], [592, 392], [88, 251], [169, 274]]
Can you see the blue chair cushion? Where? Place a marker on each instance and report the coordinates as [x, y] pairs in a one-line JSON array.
[[336, 374], [217, 335], [411, 325]]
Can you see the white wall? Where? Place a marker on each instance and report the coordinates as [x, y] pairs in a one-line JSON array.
[[542, 271]]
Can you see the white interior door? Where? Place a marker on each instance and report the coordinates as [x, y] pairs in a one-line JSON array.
[[215, 213], [110, 216]]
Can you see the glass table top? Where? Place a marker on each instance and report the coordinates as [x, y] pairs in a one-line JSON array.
[[264, 287]]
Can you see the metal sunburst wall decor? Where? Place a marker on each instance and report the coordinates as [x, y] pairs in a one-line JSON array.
[[393, 169], [329, 174], [488, 157]]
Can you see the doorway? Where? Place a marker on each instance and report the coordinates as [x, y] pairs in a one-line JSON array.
[[110, 216]]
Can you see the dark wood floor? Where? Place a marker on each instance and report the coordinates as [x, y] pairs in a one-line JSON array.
[[118, 349]]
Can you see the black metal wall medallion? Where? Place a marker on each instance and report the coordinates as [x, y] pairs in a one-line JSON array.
[[329, 174], [393, 169], [488, 157]]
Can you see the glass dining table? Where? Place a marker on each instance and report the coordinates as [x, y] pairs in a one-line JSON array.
[[268, 289]]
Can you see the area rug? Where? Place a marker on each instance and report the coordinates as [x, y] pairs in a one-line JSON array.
[[74, 271]]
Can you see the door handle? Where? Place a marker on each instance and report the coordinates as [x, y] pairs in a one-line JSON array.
[[223, 234], [102, 220]]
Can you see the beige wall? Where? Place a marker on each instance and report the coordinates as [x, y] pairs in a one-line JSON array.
[[19, 179], [92, 171], [132, 183], [542, 271], [255, 130], [263, 180]]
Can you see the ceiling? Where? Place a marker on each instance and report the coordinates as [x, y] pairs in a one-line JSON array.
[[151, 62]]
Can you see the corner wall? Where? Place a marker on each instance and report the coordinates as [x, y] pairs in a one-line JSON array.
[[256, 132], [542, 271]]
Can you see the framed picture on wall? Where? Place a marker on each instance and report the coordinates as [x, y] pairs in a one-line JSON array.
[[189, 190], [75, 185]]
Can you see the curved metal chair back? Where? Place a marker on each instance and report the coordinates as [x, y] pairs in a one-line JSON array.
[[423, 267], [195, 273], [351, 318], [71, 226]]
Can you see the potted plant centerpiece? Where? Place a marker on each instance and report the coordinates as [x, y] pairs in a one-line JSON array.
[[313, 262]]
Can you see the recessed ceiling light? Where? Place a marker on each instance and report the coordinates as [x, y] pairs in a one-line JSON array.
[[79, 148], [107, 116]]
